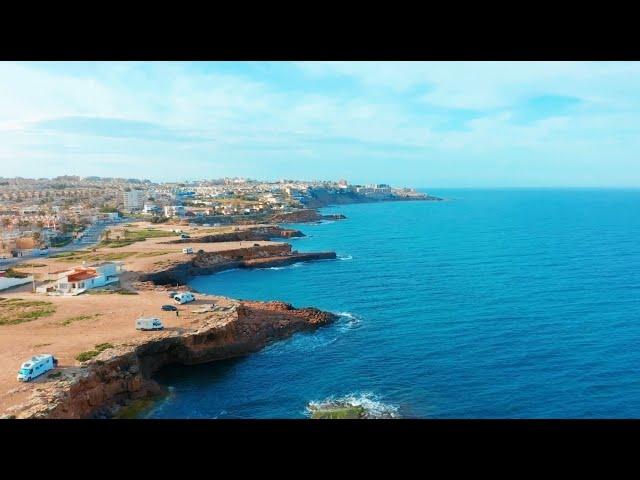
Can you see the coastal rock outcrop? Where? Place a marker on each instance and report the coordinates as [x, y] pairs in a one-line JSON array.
[[123, 373], [304, 216], [206, 263], [252, 234], [321, 198]]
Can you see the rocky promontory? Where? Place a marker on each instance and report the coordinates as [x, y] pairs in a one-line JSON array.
[[207, 263], [320, 197], [305, 215], [123, 373], [250, 234]]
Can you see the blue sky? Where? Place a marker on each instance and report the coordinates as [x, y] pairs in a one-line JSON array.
[[420, 124]]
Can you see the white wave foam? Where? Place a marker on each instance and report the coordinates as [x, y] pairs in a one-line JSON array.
[[309, 341], [347, 320], [293, 265], [345, 257], [370, 402], [227, 271]]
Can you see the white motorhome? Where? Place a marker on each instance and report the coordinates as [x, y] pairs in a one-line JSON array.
[[149, 324], [184, 297], [36, 366], [187, 250]]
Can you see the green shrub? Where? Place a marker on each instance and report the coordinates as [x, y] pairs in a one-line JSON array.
[[84, 356], [88, 355], [11, 273], [18, 310]]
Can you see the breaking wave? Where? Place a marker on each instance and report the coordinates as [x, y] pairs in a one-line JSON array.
[[371, 404], [348, 320], [309, 341], [293, 265], [227, 271], [345, 257]]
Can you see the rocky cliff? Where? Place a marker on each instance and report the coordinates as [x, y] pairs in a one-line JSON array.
[[303, 216], [123, 373], [207, 263], [322, 198], [252, 234]]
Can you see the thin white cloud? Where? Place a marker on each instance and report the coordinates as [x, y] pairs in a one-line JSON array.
[[195, 114]]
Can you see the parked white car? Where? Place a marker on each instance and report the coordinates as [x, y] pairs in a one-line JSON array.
[[187, 250], [149, 324], [36, 366], [184, 297]]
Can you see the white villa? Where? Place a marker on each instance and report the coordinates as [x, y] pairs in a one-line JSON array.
[[79, 279]]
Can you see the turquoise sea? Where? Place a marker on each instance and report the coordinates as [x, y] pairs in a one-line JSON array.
[[519, 303]]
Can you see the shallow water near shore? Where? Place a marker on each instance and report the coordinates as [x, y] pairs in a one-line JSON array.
[[494, 304]]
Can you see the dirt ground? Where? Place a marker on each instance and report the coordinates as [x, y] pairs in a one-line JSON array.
[[81, 322], [143, 256]]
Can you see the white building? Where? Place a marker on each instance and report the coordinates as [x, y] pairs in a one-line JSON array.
[[174, 210], [133, 199], [150, 208], [79, 279]]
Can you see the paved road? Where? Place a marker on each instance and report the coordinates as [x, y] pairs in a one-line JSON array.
[[90, 238]]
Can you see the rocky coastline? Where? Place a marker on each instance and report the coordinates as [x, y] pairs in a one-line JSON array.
[[260, 233], [120, 375], [208, 263], [305, 215], [323, 198]]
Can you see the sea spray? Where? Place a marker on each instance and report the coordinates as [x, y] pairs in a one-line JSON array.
[[366, 405], [310, 341], [347, 321]]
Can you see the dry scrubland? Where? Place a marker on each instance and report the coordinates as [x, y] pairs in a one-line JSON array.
[[75, 329]]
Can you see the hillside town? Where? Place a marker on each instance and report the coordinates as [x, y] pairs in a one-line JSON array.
[[98, 268], [37, 214]]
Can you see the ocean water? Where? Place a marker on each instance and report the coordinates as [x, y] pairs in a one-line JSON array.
[[493, 304]]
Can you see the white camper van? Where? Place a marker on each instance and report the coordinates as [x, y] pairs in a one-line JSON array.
[[149, 324], [187, 250], [36, 366], [184, 297]]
